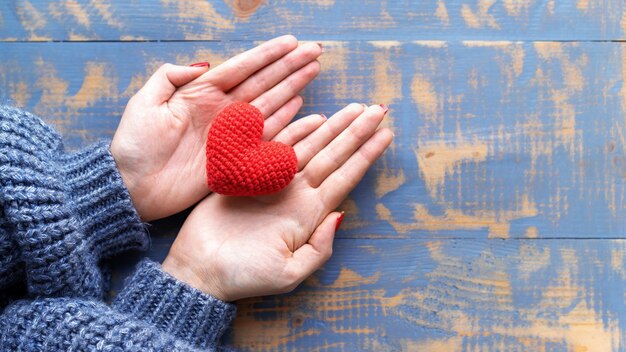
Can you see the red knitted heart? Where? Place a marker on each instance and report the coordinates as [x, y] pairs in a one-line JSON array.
[[238, 163]]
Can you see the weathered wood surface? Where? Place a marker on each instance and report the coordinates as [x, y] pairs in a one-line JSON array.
[[39, 20], [493, 139], [497, 220], [450, 295]]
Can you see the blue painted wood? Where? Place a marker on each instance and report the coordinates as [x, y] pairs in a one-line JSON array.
[[495, 222], [493, 139], [423, 294], [312, 20], [449, 295]]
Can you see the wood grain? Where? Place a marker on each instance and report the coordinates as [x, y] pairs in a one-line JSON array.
[[494, 223], [493, 139], [440, 295], [81, 20], [448, 295]]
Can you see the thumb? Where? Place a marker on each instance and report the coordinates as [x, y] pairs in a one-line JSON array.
[[310, 257], [164, 82]]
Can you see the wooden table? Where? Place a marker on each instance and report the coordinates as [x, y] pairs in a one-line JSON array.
[[496, 222]]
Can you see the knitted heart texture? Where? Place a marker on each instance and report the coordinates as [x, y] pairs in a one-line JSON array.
[[238, 162]]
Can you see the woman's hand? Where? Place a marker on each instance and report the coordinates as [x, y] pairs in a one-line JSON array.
[[159, 145], [236, 247]]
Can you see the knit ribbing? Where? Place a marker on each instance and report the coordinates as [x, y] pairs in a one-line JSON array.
[[154, 312], [65, 211], [173, 307], [63, 324]]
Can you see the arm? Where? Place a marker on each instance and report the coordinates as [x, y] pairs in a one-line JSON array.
[[157, 175], [154, 312], [63, 212]]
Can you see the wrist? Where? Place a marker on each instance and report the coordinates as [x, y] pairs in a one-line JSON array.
[[197, 278], [131, 180]]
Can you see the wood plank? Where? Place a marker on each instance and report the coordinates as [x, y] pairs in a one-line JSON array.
[[446, 295], [493, 139], [79, 20], [449, 295]]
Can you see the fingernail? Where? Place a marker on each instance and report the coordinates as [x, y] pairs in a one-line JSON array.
[[364, 106], [339, 220], [321, 46], [200, 64], [324, 116], [385, 108]]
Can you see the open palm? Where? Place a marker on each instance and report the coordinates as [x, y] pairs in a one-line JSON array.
[[236, 247], [160, 144]]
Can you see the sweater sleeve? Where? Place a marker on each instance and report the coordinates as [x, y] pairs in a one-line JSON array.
[[154, 312], [62, 212]]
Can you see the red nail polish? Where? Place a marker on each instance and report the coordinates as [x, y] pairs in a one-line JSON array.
[[200, 64], [385, 108], [339, 220]]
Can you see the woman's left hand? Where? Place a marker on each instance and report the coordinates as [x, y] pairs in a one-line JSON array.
[[236, 247]]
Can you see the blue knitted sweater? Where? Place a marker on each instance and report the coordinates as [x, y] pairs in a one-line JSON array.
[[61, 216]]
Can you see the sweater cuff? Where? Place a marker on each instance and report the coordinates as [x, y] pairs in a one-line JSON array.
[[101, 201], [157, 298]]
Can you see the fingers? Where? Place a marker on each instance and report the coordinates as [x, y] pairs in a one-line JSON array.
[[277, 96], [343, 146], [310, 146], [280, 119], [163, 83], [313, 254], [338, 185], [274, 73], [181, 75], [299, 129], [237, 69]]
